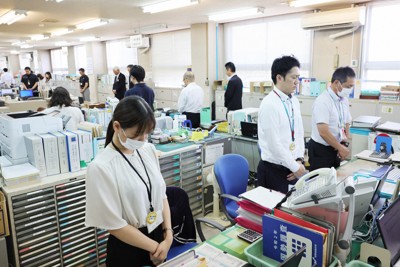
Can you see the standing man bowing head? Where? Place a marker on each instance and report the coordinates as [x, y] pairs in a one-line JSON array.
[[330, 122], [233, 93], [280, 129], [84, 85], [119, 86]]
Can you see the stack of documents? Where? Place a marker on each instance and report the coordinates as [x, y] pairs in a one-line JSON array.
[[94, 128], [366, 121], [389, 127], [17, 174], [254, 204]]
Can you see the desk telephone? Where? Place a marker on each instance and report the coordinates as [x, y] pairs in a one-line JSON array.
[[315, 185]]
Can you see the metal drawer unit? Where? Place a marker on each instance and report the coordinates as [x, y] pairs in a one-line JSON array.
[[102, 238], [192, 182], [170, 169], [78, 243], [36, 228]]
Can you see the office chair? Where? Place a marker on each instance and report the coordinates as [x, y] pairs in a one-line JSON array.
[[183, 224], [232, 174]]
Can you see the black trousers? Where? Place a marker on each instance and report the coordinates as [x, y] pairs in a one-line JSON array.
[[194, 118], [320, 156], [120, 254], [273, 176]]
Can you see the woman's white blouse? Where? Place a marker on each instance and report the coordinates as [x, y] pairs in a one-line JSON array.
[[115, 195]]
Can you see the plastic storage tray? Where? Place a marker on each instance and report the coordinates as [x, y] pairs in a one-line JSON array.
[[255, 256], [358, 264]]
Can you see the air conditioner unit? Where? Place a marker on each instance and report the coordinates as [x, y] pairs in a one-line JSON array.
[[139, 41], [335, 19]]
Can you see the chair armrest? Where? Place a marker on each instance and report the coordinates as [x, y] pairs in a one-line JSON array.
[[236, 199], [207, 221]]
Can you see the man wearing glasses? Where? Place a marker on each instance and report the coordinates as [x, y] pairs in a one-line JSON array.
[[331, 122]]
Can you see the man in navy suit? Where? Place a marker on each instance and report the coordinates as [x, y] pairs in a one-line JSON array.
[[233, 93]]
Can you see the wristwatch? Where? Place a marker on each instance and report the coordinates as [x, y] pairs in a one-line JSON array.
[[301, 160]]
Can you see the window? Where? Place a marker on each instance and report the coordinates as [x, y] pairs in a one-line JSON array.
[[80, 58], [120, 55], [171, 56], [59, 61], [25, 60], [381, 51], [3, 63], [253, 45]]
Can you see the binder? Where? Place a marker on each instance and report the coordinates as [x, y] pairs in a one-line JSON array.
[[51, 153], [72, 151], [34, 147], [62, 151], [85, 148]]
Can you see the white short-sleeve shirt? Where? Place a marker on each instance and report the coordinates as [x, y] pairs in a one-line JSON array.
[[115, 195], [330, 109]]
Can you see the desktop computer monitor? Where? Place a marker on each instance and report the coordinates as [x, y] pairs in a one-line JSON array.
[[25, 94]]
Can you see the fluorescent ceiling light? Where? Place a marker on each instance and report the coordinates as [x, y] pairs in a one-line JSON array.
[[63, 32], [12, 16], [14, 52], [151, 28], [18, 43], [92, 24], [301, 3], [237, 14], [61, 43], [168, 5], [40, 37], [26, 46], [89, 39]]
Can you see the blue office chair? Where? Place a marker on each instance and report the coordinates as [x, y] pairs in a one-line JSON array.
[[232, 174], [183, 223]]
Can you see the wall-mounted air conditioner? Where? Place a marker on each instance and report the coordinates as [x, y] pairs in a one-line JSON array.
[[335, 19], [139, 41]]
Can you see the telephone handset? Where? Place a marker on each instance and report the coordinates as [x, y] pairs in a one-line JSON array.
[[315, 185]]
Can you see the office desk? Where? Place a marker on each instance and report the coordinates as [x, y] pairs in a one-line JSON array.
[[4, 109], [354, 165], [16, 106]]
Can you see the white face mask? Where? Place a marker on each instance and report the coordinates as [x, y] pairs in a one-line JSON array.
[[345, 92], [131, 144]]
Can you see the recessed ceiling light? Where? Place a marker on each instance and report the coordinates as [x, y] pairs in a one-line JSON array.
[[62, 43], [18, 43], [12, 16], [92, 24], [168, 5], [89, 39], [41, 25], [26, 46], [242, 13], [40, 37], [301, 3], [14, 52]]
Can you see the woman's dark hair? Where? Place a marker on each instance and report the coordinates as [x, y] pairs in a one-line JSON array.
[[60, 97], [132, 111], [48, 74], [40, 76]]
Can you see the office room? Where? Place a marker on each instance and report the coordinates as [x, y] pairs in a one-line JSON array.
[[199, 133]]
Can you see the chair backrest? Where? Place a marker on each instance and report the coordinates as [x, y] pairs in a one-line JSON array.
[[232, 173]]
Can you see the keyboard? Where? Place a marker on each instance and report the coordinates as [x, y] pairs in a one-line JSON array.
[[394, 174]]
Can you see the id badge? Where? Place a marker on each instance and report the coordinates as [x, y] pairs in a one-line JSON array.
[[343, 136], [153, 223]]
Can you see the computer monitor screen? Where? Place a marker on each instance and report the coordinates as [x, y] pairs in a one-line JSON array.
[[390, 230], [26, 93], [378, 190], [6, 92]]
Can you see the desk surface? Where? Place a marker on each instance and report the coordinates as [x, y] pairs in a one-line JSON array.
[[349, 168], [16, 106]]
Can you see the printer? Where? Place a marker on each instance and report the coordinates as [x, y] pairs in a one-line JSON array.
[[13, 128], [236, 117]]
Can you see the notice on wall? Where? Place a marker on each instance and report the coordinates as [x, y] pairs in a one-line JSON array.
[[213, 152]]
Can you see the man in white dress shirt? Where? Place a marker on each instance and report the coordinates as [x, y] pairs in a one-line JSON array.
[[7, 77], [331, 121], [280, 129], [191, 99]]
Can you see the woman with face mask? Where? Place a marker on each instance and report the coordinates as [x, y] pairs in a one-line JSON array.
[[125, 192]]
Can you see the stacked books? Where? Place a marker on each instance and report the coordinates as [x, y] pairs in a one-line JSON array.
[[288, 231], [254, 204], [390, 93]]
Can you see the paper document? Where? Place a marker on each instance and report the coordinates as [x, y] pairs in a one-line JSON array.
[[213, 152], [389, 126], [366, 154], [263, 196]]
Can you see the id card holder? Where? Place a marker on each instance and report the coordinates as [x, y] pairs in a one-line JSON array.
[[343, 136], [158, 220]]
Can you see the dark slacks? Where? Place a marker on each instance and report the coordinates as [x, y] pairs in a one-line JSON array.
[[120, 254], [320, 156], [194, 118], [273, 176]]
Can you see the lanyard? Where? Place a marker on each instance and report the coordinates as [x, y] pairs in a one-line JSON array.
[[339, 111], [291, 121], [148, 188]]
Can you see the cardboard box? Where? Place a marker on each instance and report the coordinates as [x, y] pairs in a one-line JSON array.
[[220, 85], [4, 228]]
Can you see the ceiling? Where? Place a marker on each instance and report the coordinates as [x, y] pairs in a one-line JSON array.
[[125, 16]]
